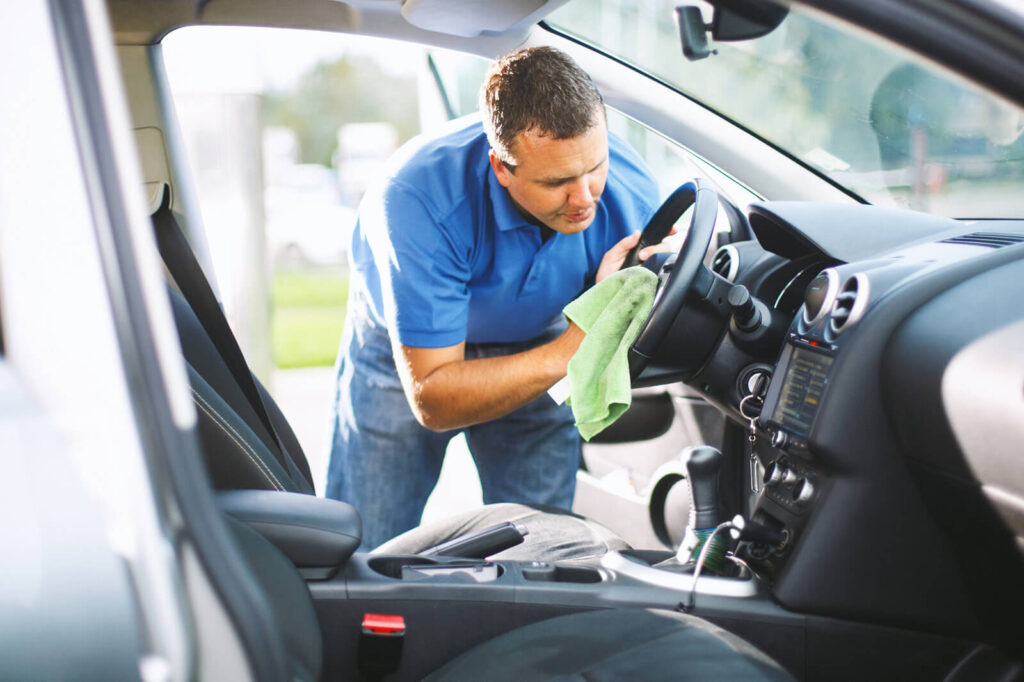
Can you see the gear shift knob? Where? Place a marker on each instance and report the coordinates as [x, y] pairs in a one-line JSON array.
[[702, 471]]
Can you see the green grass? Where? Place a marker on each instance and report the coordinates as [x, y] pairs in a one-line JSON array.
[[308, 316], [309, 288]]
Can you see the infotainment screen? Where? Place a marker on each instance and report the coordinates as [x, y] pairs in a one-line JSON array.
[[804, 382]]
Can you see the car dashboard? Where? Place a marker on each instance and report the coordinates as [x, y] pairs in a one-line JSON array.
[[887, 446]]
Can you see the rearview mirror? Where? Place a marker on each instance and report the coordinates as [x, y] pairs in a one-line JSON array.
[[745, 19], [732, 20]]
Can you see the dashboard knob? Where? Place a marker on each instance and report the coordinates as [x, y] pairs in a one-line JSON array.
[[775, 473], [744, 312], [779, 439], [803, 491]]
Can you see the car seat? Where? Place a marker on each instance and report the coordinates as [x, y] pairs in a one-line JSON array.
[[247, 442]]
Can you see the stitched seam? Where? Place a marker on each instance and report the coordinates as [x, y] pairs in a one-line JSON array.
[[226, 427], [246, 449]]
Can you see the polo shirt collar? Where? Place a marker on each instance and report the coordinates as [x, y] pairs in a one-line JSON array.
[[506, 217]]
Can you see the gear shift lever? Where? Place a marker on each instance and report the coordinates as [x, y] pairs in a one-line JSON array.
[[702, 472]]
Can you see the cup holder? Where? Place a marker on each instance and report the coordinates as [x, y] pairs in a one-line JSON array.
[[391, 565]]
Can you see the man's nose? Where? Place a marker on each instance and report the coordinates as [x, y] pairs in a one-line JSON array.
[[580, 195]]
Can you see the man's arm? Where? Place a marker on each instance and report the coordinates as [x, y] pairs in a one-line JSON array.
[[446, 391]]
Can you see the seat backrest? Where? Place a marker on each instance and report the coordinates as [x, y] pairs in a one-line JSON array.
[[237, 449], [245, 445]]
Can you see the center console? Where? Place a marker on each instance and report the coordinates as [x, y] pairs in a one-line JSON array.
[[450, 605], [454, 603], [792, 481]]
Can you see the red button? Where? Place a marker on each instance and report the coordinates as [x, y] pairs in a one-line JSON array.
[[381, 624]]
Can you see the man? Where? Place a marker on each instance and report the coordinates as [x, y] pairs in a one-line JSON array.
[[463, 258]]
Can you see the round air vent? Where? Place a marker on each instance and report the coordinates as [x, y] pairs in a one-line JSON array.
[[820, 295], [726, 262], [851, 302]]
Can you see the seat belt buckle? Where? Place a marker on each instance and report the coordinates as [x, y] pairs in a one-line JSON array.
[[380, 644]]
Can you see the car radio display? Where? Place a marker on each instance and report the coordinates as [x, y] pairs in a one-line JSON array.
[[801, 390]]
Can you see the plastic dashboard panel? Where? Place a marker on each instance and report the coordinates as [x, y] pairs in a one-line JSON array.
[[846, 233], [895, 563], [955, 374]]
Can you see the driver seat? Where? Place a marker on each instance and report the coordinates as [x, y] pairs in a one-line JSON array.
[[248, 444]]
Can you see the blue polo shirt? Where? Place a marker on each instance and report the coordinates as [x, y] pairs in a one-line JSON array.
[[445, 257]]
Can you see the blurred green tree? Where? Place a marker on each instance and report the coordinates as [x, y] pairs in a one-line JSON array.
[[353, 89]]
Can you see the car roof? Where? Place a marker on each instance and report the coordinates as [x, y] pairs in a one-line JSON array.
[[435, 22], [980, 39]]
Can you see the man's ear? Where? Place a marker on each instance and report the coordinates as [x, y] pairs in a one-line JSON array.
[[501, 171]]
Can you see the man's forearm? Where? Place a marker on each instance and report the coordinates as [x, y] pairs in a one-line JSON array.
[[466, 392]]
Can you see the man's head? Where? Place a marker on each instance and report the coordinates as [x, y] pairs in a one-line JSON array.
[[549, 143]]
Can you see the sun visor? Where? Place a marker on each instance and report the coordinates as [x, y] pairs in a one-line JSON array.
[[469, 18]]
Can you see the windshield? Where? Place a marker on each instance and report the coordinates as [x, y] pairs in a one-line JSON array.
[[892, 131]]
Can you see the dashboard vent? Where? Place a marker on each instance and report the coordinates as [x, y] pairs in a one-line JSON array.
[[726, 262], [850, 304], [993, 240]]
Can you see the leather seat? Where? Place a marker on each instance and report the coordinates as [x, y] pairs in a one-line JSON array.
[[614, 644]]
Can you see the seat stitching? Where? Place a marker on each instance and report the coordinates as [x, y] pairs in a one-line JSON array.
[[226, 427], [246, 449]]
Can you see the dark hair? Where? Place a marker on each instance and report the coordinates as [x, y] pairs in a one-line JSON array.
[[537, 88]]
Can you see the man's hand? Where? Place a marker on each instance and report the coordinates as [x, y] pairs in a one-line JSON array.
[[616, 256]]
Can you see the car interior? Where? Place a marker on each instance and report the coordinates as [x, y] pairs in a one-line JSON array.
[[861, 516]]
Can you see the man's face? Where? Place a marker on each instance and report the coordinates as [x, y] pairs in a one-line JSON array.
[[557, 182]]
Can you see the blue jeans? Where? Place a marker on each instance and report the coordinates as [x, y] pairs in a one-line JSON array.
[[386, 465]]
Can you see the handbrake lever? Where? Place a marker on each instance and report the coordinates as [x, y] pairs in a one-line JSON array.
[[481, 544]]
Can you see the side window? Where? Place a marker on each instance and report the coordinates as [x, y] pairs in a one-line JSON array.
[[457, 77], [672, 164], [669, 162]]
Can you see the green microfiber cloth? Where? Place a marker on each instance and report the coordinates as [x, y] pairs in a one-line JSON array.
[[612, 313]]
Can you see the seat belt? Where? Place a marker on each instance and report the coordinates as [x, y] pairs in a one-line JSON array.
[[188, 275]]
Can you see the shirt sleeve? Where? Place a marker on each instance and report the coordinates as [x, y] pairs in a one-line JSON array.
[[424, 271]]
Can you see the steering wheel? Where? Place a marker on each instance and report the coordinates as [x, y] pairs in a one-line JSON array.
[[678, 277]]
